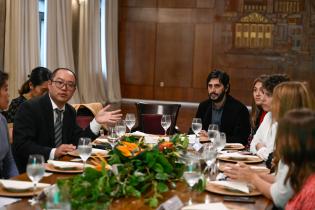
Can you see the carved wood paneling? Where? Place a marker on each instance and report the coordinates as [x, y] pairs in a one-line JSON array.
[[194, 37]]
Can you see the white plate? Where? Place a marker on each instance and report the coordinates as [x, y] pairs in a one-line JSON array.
[[13, 185]]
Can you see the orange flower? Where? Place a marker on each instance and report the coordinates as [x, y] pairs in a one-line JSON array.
[[165, 145], [128, 149]]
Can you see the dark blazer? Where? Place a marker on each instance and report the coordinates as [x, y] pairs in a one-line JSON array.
[[235, 121], [33, 129]]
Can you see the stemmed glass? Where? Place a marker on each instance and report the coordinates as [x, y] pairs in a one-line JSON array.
[[196, 126], [85, 149], [209, 155], [112, 136], [192, 173], [130, 120], [120, 128], [166, 122], [213, 132], [220, 142], [35, 171]]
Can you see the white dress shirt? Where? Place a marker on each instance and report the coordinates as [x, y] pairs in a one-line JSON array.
[[94, 126], [265, 135]]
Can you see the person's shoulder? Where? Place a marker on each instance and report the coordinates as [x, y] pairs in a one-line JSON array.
[[2, 119], [205, 103], [70, 108], [235, 102]]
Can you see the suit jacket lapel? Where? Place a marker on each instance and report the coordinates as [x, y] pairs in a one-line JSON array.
[[66, 126], [49, 117], [208, 116]]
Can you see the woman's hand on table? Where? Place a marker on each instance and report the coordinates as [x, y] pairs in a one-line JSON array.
[[240, 172]]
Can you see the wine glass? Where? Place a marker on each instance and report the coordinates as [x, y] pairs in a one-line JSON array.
[[85, 149], [120, 128], [192, 174], [220, 142], [130, 120], [35, 171], [213, 132], [166, 122], [112, 136], [209, 155], [196, 126]]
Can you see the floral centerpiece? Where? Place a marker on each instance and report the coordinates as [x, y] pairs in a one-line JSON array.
[[133, 169]]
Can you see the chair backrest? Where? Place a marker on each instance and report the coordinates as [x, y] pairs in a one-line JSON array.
[[86, 113], [149, 117]]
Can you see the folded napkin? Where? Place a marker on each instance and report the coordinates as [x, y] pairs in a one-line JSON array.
[[233, 185], [20, 185], [99, 151], [150, 138], [7, 201], [233, 144], [237, 156], [206, 206], [65, 164], [102, 140]]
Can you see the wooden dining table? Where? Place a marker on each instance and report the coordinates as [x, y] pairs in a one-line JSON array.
[[181, 190]]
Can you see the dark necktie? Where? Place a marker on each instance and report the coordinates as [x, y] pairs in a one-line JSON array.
[[58, 128]]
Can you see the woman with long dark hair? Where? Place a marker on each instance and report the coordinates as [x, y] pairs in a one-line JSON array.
[[36, 85]]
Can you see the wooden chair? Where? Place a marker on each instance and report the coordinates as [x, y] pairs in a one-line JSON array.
[[149, 117], [86, 113]]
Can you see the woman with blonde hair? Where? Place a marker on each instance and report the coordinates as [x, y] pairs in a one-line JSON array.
[[286, 96]]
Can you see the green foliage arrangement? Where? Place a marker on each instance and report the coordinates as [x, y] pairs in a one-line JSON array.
[[136, 170]]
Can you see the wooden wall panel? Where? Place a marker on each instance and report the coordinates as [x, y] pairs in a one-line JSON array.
[[135, 91], [202, 54], [137, 53], [177, 3], [138, 3], [174, 55]]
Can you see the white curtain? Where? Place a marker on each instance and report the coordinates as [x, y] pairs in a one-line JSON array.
[[91, 79], [59, 37], [21, 53], [112, 67]]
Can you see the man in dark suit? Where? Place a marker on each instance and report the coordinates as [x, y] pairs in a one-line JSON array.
[[47, 125], [229, 114]]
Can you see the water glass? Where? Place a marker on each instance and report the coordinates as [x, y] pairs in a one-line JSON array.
[[35, 171], [112, 136], [196, 126], [166, 122], [209, 155], [213, 132], [85, 149], [120, 128], [192, 174], [130, 120], [221, 143]]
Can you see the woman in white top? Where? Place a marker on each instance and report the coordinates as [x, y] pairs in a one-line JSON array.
[[286, 96], [263, 141]]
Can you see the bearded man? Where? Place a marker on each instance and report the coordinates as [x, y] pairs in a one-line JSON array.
[[229, 114]]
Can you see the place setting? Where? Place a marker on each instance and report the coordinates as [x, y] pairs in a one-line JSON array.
[[84, 151], [239, 157]]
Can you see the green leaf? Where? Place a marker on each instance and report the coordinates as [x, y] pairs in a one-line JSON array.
[[158, 168], [162, 187], [130, 190], [161, 176], [153, 202]]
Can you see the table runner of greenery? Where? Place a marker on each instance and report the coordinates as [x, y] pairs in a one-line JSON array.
[[133, 169]]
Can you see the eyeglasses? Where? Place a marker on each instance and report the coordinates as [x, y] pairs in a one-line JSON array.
[[61, 84]]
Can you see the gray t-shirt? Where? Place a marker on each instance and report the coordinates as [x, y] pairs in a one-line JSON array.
[[216, 116], [280, 192]]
